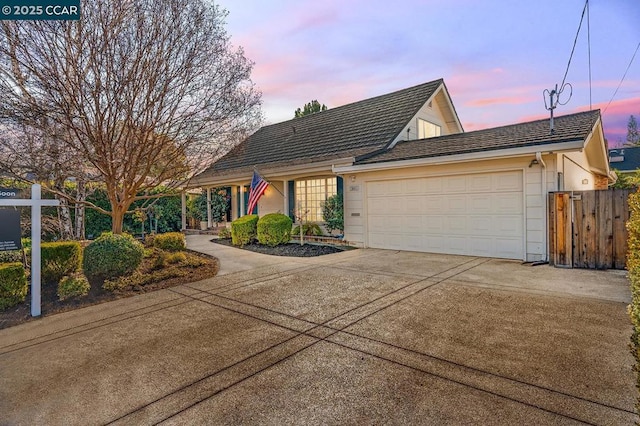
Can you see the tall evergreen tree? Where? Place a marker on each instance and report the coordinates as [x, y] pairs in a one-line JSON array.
[[633, 137], [310, 108]]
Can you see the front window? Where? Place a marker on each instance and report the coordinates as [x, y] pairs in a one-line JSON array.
[[310, 193], [427, 130]]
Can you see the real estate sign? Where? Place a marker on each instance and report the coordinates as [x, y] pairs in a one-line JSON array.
[[10, 230]]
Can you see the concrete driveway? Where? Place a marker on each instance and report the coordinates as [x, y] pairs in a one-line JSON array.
[[360, 337]]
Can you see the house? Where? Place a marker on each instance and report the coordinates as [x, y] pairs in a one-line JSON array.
[[412, 179], [625, 160]]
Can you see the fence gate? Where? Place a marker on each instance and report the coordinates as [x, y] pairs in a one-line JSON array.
[[587, 228]]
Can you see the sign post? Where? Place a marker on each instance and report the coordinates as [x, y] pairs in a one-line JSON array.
[[36, 202]]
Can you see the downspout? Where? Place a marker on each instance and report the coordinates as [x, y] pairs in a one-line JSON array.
[[543, 172]]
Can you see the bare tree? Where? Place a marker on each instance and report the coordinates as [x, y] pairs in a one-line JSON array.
[[143, 92]]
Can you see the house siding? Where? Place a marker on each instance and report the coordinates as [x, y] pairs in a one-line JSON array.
[[534, 209], [575, 168]]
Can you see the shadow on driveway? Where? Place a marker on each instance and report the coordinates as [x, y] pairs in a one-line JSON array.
[[360, 337]]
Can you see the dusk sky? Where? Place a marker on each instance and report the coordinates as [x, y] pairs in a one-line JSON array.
[[495, 56]]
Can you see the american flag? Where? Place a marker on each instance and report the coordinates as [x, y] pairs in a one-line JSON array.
[[258, 186]]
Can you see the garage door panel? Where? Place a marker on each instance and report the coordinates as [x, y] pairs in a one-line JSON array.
[[479, 214], [456, 204], [510, 226], [480, 203], [508, 181], [433, 224], [433, 185], [454, 184], [414, 186], [507, 203], [479, 183]]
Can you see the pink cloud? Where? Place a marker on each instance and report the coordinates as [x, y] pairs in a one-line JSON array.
[[513, 100]]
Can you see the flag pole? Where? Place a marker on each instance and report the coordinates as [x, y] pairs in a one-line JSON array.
[[255, 169]]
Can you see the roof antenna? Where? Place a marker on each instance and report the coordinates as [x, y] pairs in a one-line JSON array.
[[554, 100]]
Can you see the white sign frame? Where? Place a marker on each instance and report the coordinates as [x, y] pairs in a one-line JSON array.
[[36, 202]]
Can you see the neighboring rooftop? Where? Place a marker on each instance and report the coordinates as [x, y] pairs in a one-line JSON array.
[[625, 159], [345, 131], [566, 128]]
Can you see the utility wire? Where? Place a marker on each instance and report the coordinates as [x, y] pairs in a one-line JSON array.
[[623, 77], [589, 50], [586, 4]]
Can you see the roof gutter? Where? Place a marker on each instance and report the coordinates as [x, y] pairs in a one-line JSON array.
[[574, 145]]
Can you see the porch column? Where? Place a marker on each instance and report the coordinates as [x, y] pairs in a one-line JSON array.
[[241, 200], [183, 197], [285, 192], [209, 219]]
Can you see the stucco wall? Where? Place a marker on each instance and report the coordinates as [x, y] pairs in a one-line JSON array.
[[272, 201], [575, 167], [535, 210]]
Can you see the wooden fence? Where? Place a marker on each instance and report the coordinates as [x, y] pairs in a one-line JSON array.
[[587, 228]]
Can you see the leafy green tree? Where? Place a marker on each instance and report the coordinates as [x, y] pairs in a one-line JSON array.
[[633, 136], [310, 108], [333, 212]]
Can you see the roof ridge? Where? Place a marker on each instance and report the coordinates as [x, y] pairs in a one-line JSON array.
[[333, 110], [505, 126]]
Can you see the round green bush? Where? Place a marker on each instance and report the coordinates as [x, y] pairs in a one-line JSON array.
[[13, 284], [111, 256], [274, 229], [171, 241], [243, 229]]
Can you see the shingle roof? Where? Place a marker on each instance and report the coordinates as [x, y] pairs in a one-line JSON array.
[[625, 159], [345, 131], [567, 128]]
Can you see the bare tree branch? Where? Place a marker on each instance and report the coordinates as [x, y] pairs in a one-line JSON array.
[[140, 93]]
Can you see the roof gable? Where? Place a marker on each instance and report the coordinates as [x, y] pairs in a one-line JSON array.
[[345, 131]]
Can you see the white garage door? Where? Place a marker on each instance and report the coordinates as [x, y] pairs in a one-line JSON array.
[[473, 214]]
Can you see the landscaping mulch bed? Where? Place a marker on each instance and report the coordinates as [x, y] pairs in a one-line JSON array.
[[290, 249], [51, 305]]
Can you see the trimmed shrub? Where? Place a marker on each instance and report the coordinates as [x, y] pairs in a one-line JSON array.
[[140, 280], [177, 257], [13, 285], [224, 233], [274, 229], [244, 230], [112, 255], [73, 286], [310, 229], [11, 256], [171, 241], [60, 259]]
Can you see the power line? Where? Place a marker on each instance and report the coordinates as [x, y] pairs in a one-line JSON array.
[[589, 50], [623, 77], [575, 41]]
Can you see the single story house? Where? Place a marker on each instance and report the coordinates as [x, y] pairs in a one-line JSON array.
[[625, 160], [412, 179]]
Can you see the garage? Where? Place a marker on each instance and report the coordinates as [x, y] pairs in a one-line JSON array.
[[479, 214]]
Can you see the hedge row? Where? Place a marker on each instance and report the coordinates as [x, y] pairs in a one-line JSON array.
[[60, 259], [13, 284], [633, 266], [271, 229]]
